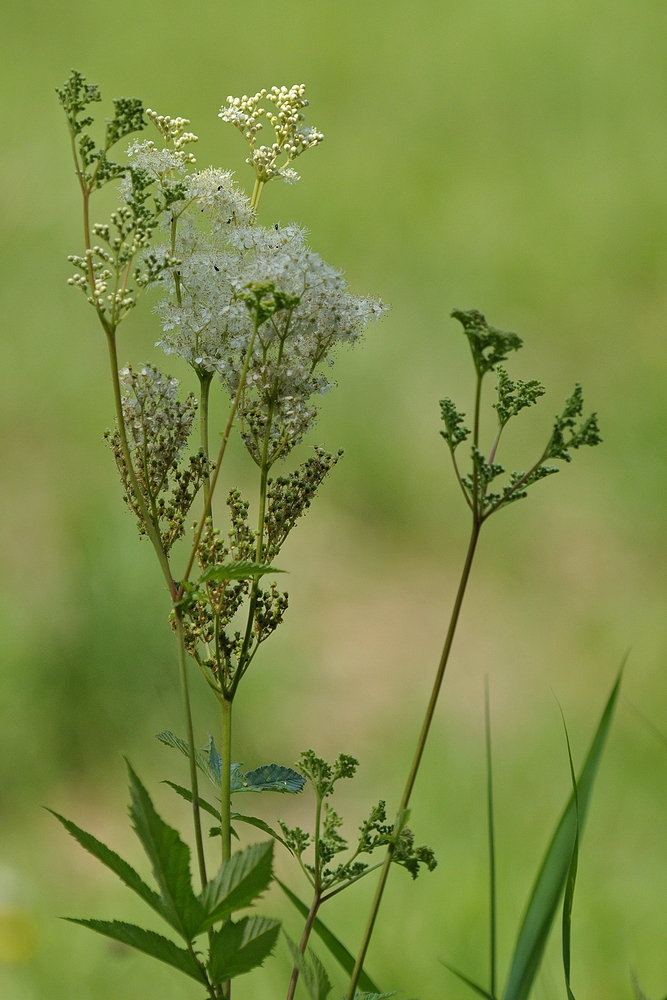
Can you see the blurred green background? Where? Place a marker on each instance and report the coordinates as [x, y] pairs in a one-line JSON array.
[[506, 155]]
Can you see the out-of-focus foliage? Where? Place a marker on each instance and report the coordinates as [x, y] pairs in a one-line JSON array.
[[508, 156]]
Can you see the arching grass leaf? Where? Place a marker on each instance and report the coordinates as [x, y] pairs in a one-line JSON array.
[[170, 859], [552, 876], [239, 947], [147, 941], [336, 947], [239, 882]]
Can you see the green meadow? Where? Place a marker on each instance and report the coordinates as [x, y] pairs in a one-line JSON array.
[[509, 156]]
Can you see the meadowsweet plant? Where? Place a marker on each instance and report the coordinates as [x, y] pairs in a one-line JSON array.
[[257, 314]]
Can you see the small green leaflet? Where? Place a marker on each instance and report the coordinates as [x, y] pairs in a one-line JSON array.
[[336, 947], [268, 778], [238, 571], [171, 740], [239, 882], [240, 947], [312, 972], [265, 778], [147, 941]]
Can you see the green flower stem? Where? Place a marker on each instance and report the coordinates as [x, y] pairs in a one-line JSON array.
[[225, 778], [475, 438], [216, 471], [205, 379], [304, 943], [256, 194], [428, 719], [194, 784]]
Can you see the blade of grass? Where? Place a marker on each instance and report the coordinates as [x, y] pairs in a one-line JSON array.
[[492, 845], [336, 947], [552, 876], [572, 872], [469, 982]]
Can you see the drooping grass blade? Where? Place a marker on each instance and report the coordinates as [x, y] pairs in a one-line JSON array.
[[552, 876], [469, 982]]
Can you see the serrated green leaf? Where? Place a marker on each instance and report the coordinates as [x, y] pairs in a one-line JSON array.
[[238, 571], [239, 947], [186, 794], [170, 859], [147, 941], [239, 882], [270, 778], [113, 861], [312, 972], [336, 947], [552, 876]]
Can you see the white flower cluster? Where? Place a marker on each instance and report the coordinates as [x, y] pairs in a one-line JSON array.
[[212, 326], [219, 197], [292, 137]]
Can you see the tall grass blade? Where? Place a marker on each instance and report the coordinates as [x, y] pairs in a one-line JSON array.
[[336, 947], [492, 841], [552, 876], [571, 875]]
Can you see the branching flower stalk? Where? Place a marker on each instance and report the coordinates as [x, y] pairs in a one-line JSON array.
[[489, 347], [260, 310]]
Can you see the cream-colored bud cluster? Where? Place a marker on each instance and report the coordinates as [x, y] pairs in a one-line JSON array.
[[292, 137], [244, 112], [172, 129]]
